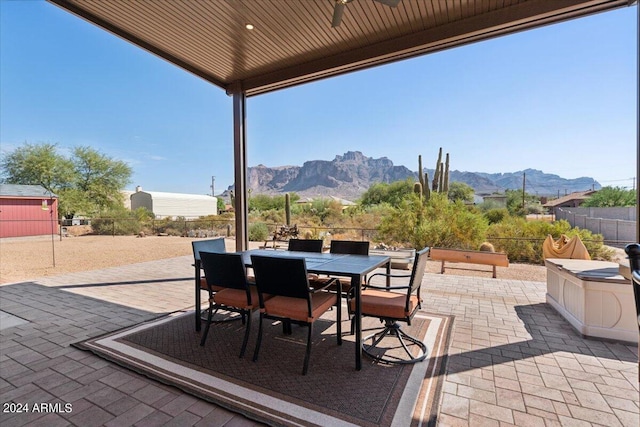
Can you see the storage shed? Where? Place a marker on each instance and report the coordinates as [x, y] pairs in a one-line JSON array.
[[27, 210], [174, 204]]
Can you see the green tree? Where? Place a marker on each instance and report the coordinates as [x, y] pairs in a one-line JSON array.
[[37, 165], [392, 193], [220, 204], [608, 197], [514, 202], [100, 178], [88, 183], [460, 191]]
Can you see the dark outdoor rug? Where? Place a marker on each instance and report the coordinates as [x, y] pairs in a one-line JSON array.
[[273, 390]]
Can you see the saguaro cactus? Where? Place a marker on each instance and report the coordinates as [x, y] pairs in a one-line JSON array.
[[417, 188], [287, 208], [440, 183], [436, 177], [421, 171], [445, 185], [426, 190]]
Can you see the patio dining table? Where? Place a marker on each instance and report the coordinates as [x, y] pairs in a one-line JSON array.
[[356, 267]]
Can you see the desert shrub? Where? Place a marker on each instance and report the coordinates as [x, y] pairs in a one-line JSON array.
[[522, 240], [513, 237], [361, 223], [496, 215], [535, 208], [214, 225], [119, 222], [436, 222], [489, 204], [177, 226], [258, 231], [273, 216]]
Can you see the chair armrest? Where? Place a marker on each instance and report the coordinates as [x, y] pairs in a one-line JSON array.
[[384, 287], [327, 284], [389, 275]]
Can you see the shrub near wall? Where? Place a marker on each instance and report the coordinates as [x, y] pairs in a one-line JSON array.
[[119, 222], [522, 240]]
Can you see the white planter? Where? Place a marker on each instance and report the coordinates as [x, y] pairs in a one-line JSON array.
[[594, 297]]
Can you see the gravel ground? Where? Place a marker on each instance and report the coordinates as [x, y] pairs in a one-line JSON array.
[[29, 258]]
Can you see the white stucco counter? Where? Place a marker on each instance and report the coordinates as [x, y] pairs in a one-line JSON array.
[[594, 297]]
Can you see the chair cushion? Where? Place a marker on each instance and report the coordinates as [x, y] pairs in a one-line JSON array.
[[296, 308], [384, 304], [236, 298]]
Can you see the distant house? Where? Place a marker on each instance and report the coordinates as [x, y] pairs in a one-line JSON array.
[[572, 200], [304, 201], [27, 210], [346, 204], [174, 204], [498, 199]]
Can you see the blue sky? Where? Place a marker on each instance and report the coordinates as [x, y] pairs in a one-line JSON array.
[[562, 99]]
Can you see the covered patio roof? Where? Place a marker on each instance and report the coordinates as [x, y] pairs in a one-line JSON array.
[[293, 41]]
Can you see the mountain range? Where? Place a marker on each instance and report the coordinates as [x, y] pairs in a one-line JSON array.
[[351, 174]]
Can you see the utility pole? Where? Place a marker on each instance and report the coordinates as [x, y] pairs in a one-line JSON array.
[[524, 175], [213, 186]]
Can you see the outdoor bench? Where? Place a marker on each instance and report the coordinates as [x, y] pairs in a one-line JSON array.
[[275, 244], [494, 259]]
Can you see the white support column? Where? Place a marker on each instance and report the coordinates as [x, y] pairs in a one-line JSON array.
[[240, 169]]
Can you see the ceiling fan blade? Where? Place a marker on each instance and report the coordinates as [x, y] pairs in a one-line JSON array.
[[338, 10], [390, 3]]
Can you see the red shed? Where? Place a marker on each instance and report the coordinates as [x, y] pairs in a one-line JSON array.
[[27, 210]]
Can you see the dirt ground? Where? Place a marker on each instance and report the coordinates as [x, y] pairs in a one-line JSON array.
[[29, 258]]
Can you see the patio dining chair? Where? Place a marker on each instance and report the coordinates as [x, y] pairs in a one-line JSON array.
[[346, 247], [226, 273], [292, 299], [305, 245], [210, 245], [393, 304], [349, 247]]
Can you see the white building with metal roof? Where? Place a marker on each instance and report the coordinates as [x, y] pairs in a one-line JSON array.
[[174, 204]]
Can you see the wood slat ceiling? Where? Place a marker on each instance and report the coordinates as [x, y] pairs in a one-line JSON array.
[[293, 41]]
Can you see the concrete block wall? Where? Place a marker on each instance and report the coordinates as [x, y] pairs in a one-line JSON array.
[[615, 224]]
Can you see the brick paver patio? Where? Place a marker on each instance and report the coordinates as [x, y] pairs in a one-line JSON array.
[[512, 359]]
